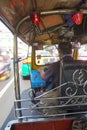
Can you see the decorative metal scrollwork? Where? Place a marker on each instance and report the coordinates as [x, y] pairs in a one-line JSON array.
[[80, 76], [85, 88], [71, 90], [75, 92]]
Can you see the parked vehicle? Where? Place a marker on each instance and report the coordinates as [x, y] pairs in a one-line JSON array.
[[5, 64], [42, 23]]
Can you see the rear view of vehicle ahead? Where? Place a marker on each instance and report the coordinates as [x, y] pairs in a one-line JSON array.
[[5, 62], [26, 67]]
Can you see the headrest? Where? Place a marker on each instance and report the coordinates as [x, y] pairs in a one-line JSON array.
[[75, 64]]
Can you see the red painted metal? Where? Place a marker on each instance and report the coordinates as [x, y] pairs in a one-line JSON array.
[[45, 125]]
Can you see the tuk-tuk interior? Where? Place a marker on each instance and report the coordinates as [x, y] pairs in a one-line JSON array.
[[42, 25]]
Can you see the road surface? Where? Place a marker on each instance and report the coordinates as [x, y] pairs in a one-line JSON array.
[[7, 97]]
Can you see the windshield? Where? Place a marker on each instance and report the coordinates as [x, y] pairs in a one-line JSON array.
[[82, 53], [48, 55]]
